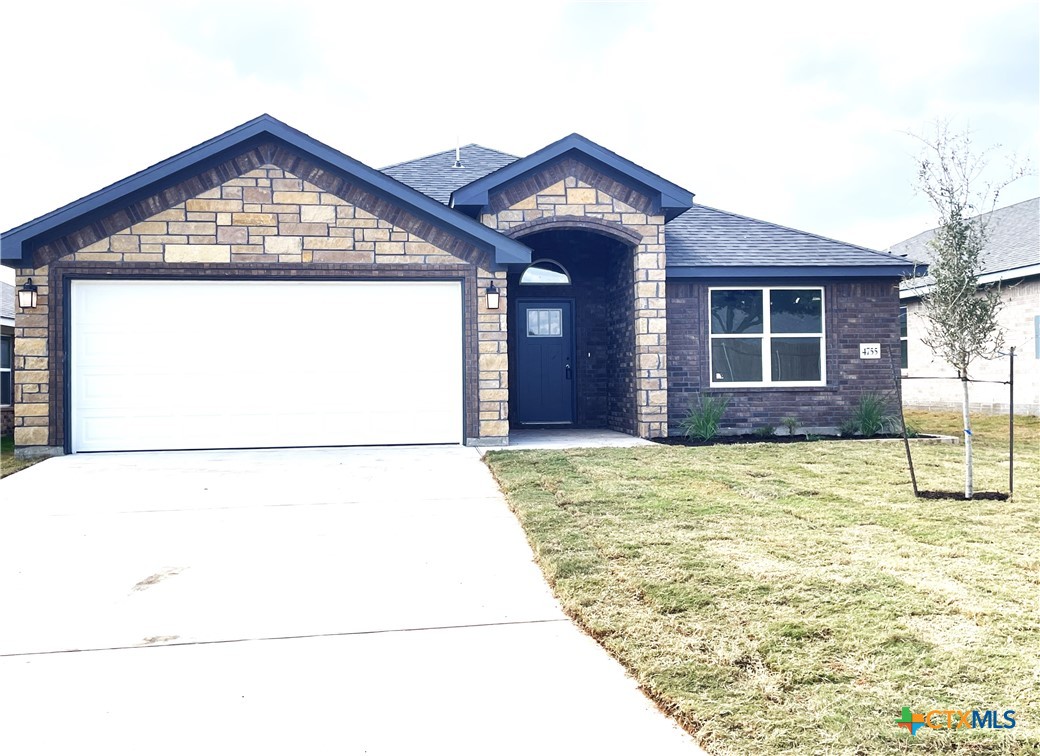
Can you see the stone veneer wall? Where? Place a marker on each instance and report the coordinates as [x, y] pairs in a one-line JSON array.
[[570, 194], [856, 312], [265, 222]]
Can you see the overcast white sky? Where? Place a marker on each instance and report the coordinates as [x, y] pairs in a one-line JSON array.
[[794, 112]]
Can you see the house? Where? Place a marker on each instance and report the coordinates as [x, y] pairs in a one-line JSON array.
[[6, 359], [263, 289], [1012, 261]]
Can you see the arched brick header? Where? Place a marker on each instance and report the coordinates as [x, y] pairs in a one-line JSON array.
[[576, 223]]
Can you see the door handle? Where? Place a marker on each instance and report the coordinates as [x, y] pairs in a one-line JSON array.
[[567, 370]]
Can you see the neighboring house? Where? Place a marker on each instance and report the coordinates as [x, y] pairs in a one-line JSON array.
[[1011, 260], [263, 289], [6, 359]]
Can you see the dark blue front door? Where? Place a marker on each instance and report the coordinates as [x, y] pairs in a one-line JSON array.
[[545, 362]]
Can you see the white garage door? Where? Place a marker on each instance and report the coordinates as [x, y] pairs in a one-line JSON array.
[[221, 365]]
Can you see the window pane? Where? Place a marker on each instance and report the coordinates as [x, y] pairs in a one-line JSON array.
[[736, 360], [544, 272], [902, 322], [5, 387], [5, 352], [736, 311], [904, 358], [796, 311], [545, 322], [796, 359]]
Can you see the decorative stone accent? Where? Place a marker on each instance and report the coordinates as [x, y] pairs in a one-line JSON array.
[[260, 220], [572, 195]]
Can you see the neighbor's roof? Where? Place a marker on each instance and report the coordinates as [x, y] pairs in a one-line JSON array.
[[705, 241], [1013, 240], [436, 175], [6, 301]]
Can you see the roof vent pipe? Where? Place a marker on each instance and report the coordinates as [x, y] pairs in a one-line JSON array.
[[458, 155]]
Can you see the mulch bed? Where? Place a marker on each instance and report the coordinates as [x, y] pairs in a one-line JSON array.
[[753, 439], [990, 495]]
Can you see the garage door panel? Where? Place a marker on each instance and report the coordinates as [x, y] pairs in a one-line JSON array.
[[253, 364]]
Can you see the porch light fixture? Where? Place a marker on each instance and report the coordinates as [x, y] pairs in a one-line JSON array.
[[27, 295], [492, 296]]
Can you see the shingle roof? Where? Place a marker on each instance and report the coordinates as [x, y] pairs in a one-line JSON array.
[[6, 301], [1013, 239], [436, 177], [706, 237], [700, 237]]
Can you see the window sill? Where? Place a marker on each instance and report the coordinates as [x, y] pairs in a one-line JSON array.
[[770, 386], [758, 388]]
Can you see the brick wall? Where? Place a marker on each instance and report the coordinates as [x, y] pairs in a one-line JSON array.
[[267, 221], [856, 312], [1021, 306], [572, 195]]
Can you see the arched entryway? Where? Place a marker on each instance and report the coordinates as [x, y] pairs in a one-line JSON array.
[[571, 331]]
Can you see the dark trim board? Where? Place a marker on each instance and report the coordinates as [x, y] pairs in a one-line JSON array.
[[693, 272], [60, 316]]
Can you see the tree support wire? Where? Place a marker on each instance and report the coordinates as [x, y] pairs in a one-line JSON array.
[[1010, 383], [949, 378], [902, 419]]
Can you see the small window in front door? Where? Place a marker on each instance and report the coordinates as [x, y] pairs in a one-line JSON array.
[[545, 323]]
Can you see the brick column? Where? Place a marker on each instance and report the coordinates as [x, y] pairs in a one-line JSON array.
[[32, 366], [493, 362], [651, 329]]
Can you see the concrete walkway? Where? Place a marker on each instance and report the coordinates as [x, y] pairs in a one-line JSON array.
[[567, 438], [347, 601]]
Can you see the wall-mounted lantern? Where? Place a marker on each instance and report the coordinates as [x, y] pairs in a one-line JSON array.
[[492, 296], [27, 295]]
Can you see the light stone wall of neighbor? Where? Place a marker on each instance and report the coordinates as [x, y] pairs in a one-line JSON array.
[[573, 198], [265, 216], [1021, 307]]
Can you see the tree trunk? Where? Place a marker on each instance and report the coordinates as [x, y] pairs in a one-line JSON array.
[[969, 477]]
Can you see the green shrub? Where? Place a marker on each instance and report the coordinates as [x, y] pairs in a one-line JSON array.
[[791, 424], [702, 419], [766, 431], [848, 428], [871, 415]]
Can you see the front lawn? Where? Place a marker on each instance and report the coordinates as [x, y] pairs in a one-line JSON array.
[[10, 463], [793, 598]]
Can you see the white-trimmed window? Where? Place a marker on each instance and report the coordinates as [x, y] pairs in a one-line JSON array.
[[767, 336], [904, 355], [6, 360]]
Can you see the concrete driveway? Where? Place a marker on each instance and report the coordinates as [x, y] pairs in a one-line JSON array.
[[311, 601]]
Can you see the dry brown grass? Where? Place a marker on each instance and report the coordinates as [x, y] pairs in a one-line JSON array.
[[793, 598]]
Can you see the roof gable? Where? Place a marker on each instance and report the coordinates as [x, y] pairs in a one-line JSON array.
[[143, 192], [669, 199]]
